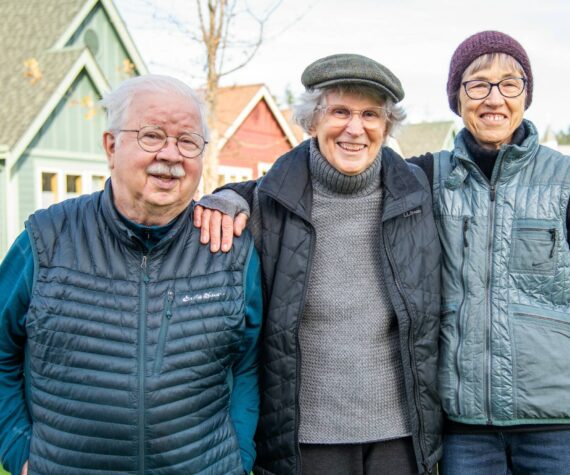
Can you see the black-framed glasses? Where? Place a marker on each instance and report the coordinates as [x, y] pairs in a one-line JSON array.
[[478, 89], [153, 139], [340, 114]]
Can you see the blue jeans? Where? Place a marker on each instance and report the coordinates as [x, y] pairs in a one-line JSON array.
[[502, 453]]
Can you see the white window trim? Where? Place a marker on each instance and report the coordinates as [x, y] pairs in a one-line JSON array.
[[61, 173], [235, 171]]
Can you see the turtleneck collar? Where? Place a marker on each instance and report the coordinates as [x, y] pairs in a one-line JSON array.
[[328, 178], [484, 157]]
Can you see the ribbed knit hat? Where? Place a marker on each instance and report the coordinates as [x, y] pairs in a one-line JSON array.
[[477, 45]]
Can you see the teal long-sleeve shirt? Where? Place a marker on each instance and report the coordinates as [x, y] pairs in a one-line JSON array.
[[16, 281]]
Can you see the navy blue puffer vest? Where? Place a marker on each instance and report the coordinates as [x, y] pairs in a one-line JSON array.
[[129, 354]]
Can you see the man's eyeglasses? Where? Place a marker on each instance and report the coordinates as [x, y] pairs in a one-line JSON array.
[[478, 89], [153, 139], [340, 115]]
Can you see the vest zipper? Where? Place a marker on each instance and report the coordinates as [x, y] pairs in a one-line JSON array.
[[460, 312], [487, 380], [535, 316], [553, 239], [141, 360], [400, 288], [298, 349], [164, 324]]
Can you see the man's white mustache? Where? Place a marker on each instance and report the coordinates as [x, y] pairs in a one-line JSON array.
[[157, 168]]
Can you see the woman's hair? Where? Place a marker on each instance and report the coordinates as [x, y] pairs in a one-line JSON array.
[[117, 102], [486, 61], [306, 110]]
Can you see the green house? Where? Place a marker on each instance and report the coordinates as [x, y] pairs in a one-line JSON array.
[[56, 60]]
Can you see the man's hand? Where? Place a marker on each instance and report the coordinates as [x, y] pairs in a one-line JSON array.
[[217, 228], [25, 469]]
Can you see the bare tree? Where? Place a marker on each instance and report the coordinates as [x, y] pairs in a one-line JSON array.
[[225, 53], [229, 33]]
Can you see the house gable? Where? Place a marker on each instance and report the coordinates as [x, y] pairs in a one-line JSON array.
[[76, 123], [58, 57], [99, 35], [258, 139]]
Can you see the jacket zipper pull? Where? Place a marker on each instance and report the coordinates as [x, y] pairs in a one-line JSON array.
[[169, 300], [553, 239], [465, 228], [492, 192]]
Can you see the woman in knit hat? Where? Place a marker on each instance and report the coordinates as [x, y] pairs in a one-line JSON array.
[[349, 343], [501, 200]]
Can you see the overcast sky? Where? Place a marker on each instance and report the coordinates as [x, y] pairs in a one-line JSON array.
[[414, 38]]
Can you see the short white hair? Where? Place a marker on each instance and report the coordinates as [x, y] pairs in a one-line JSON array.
[[117, 102], [306, 110]]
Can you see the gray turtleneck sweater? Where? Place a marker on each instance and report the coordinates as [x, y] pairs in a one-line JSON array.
[[352, 380]]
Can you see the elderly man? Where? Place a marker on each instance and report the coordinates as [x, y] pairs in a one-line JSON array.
[[125, 345]]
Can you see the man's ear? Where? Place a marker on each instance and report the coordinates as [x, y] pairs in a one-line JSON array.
[[109, 144]]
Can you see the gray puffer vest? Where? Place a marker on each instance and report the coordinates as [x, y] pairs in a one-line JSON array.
[[411, 264], [505, 336], [129, 354]]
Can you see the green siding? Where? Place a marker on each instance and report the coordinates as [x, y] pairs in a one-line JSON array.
[[109, 51], [77, 123], [26, 195], [69, 142]]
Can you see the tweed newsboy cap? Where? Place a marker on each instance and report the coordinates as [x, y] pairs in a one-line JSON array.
[[352, 69], [477, 45]]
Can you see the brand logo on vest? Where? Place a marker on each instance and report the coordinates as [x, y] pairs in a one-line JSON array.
[[201, 298], [407, 214]]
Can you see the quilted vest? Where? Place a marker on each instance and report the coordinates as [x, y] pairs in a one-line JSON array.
[[411, 265], [129, 354], [505, 330]]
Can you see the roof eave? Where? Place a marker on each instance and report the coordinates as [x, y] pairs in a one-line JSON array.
[[117, 22], [262, 93], [84, 61]]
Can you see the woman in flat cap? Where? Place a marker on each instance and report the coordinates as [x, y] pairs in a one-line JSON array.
[[501, 200], [351, 269]]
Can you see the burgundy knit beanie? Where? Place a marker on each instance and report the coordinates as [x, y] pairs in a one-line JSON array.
[[477, 45]]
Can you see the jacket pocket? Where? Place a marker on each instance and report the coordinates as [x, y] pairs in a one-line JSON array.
[[448, 377], [541, 356], [164, 324], [534, 246]]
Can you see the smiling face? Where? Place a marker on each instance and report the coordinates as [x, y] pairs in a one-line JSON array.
[[152, 188], [493, 120], [350, 147]]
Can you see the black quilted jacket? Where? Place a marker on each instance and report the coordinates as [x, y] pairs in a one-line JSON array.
[[411, 264]]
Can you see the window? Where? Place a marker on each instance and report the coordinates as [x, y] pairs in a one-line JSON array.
[[97, 183], [49, 189], [233, 174], [72, 185]]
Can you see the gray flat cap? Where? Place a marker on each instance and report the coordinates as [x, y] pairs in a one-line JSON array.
[[352, 69]]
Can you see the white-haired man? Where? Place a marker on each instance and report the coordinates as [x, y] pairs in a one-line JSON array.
[[126, 346]]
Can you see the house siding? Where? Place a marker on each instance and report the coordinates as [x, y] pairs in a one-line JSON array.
[[110, 53], [77, 122], [259, 138], [69, 143]]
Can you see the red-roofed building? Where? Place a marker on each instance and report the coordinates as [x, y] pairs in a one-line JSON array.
[[253, 132]]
